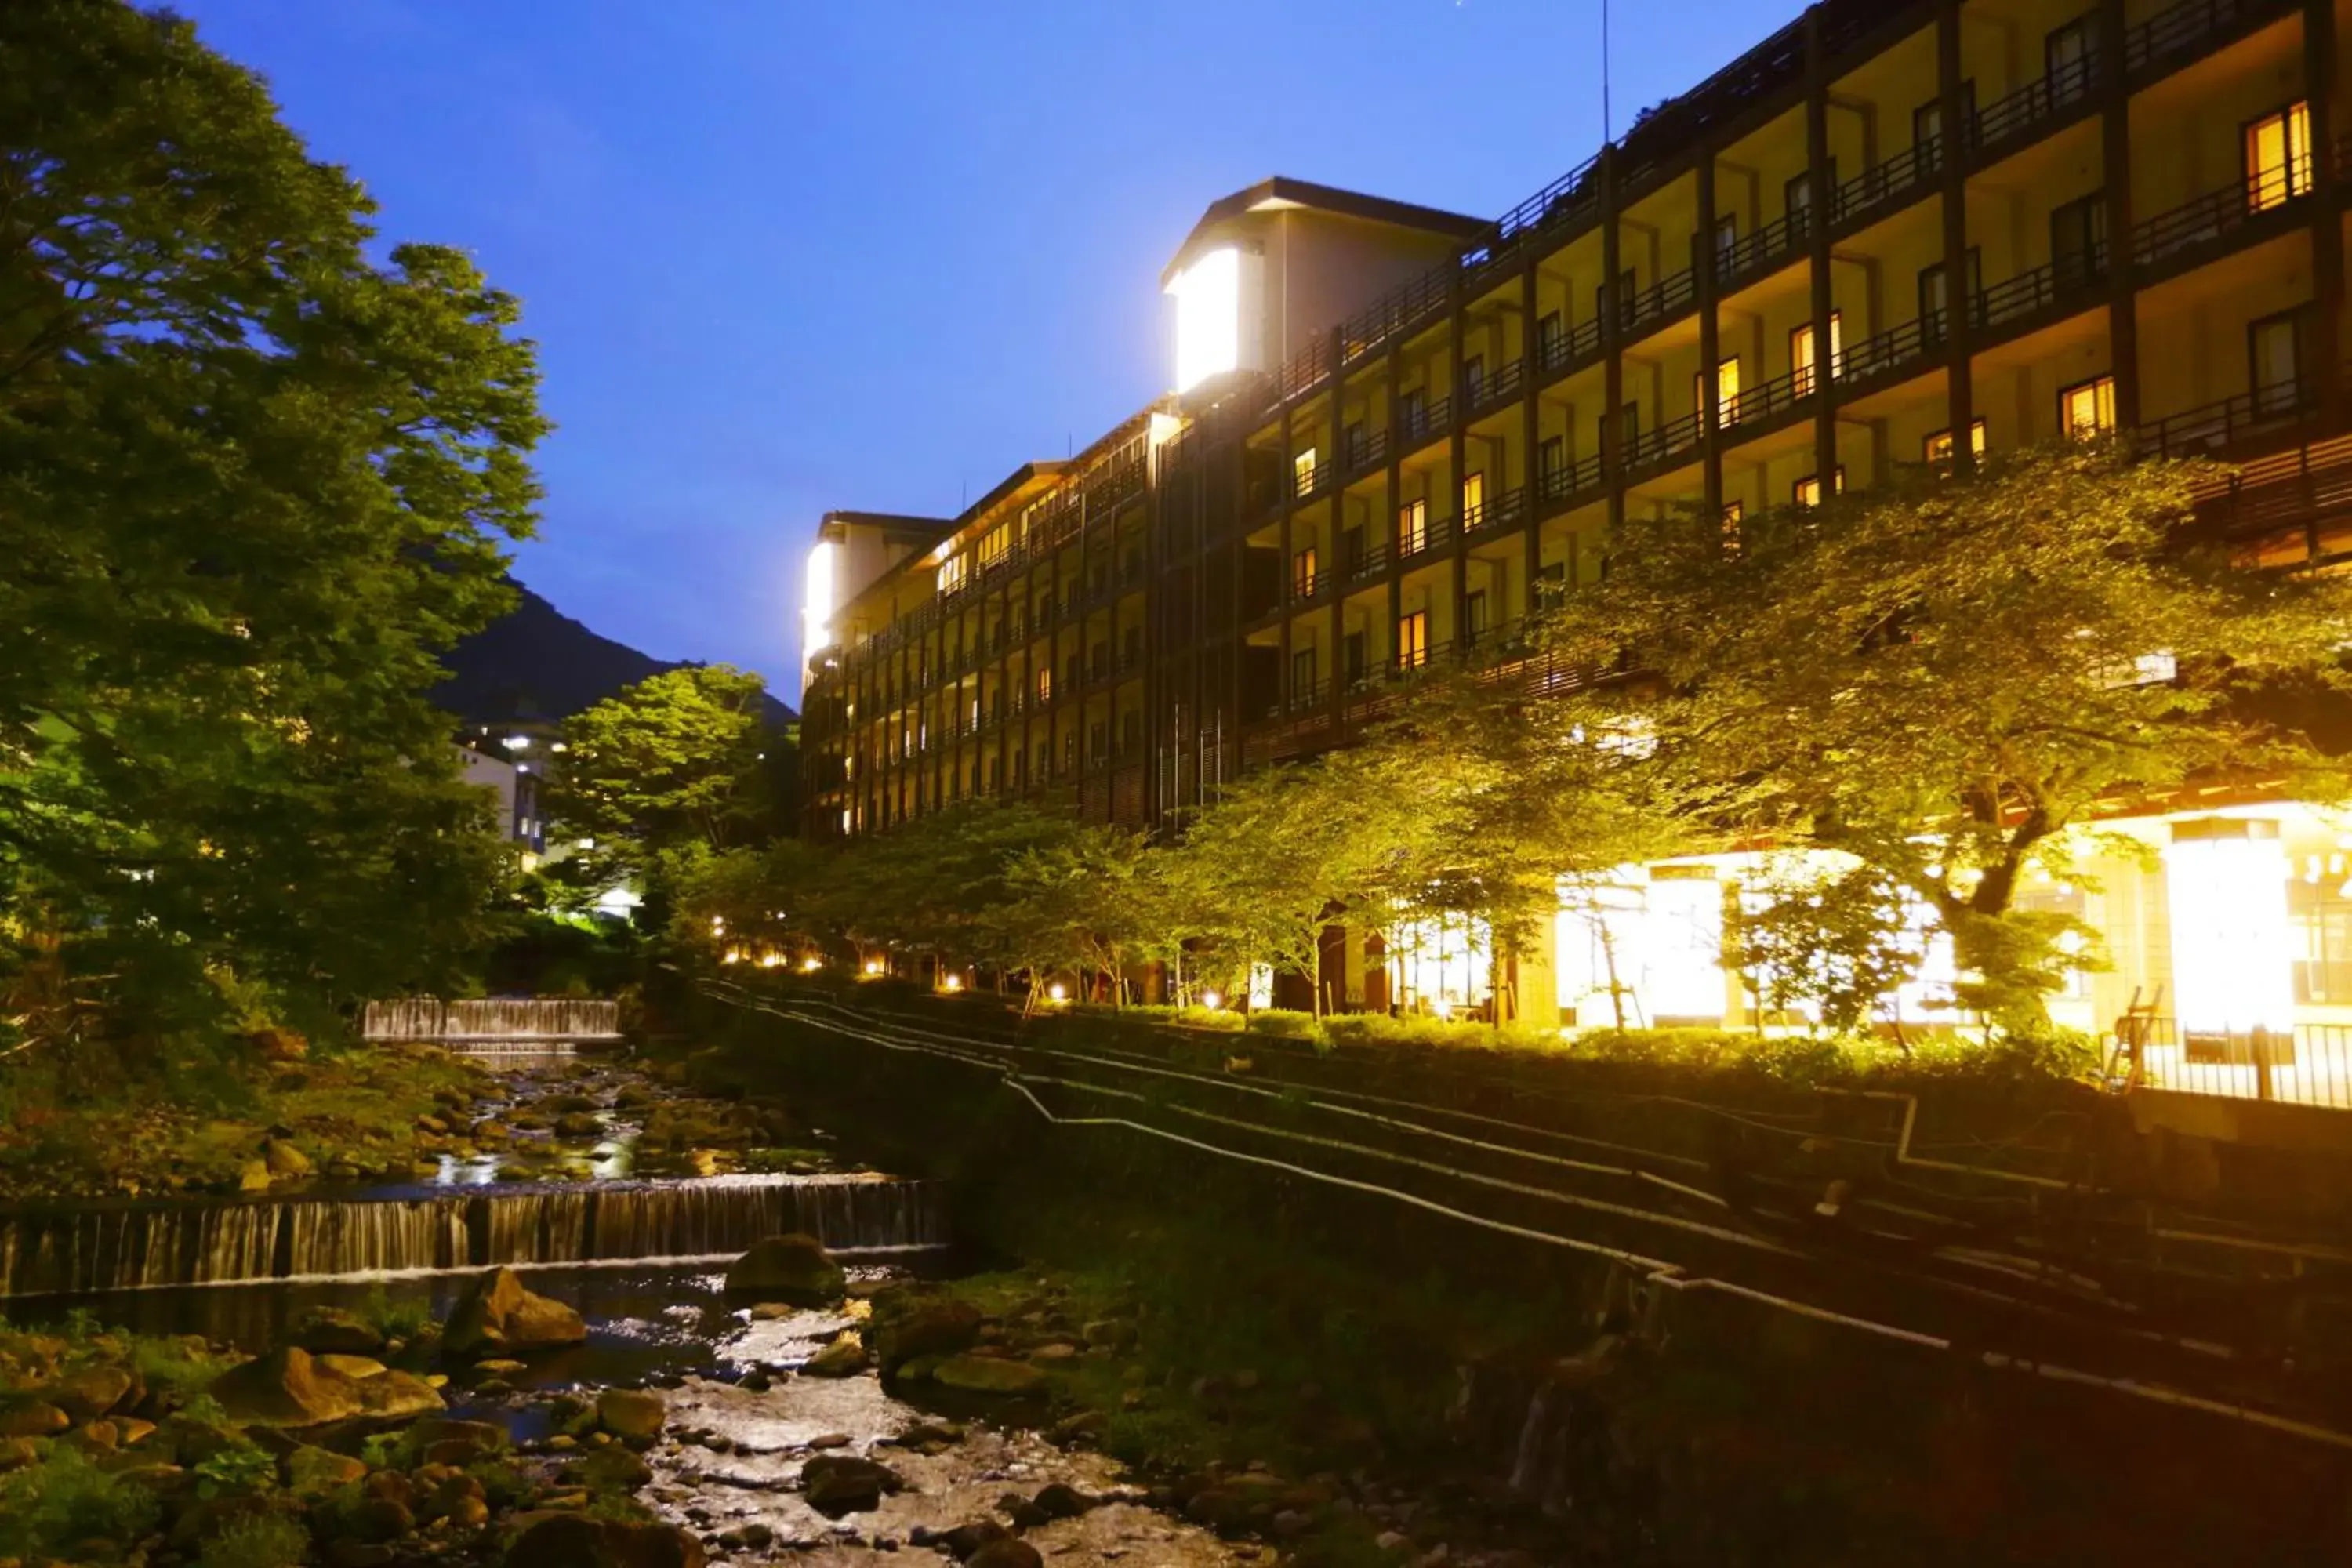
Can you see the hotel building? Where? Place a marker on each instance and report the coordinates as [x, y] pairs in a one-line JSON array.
[[1886, 232]]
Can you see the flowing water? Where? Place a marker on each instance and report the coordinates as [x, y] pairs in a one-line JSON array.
[[491, 1020]]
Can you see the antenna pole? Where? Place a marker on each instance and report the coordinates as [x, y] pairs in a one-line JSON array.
[[1608, 127]]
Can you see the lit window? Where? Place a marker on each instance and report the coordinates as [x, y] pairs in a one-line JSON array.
[[1937, 450], [1412, 527], [2278, 158], [1804, 360], [1734, 515], [1727, 392], [2087, 409], [1302, 573], [1808, 490], [1302, 472], [1412, 640], [1474, 500], [1045, 685]]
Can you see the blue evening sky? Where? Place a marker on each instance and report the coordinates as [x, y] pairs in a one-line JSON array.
[[782, 257]]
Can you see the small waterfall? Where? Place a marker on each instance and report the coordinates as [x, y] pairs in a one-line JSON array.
[[128, 1247], [543, 1020]]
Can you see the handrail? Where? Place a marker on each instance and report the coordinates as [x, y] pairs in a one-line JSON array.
[[1881, 183], [2182, 28], [1417, 425], [1763, 249], [1500, 388], [2215, 425], [1771, 399], [2220, 212], [1571, 478], [1369, 452], [1659, 303], [2057, 90], [1570, 346], [1663, 441], [1893, 349]]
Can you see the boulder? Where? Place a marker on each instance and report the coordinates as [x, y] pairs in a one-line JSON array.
[[578, 1124], [331, 1330], [285, 1160], [358, 1368], [394, 1393], [836, 1484], [846, 1357], [285, 1388], [1111, 1334], [988, 1375], [1010, 1552], [496, 1314], [1058, 1500], [91, 1393], [576, 1540], [794, 1269], [631, 1412], [481, 1437], [15, 1453], [611, 1469], [310, 1471], [928, 1325], [253, 1176]]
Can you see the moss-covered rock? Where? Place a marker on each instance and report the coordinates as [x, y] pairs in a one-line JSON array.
[[795, 1269]]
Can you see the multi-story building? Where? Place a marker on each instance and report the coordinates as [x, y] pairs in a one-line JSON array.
[[1889, 231]]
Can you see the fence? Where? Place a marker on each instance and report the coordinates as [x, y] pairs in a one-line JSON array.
[[2310, 1064]]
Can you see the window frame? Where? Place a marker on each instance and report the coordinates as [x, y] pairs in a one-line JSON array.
[[2072, 430]]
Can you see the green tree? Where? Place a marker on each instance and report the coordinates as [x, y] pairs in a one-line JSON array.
[[1940, 677], [661, 777], [252, 483], [1088, 902]]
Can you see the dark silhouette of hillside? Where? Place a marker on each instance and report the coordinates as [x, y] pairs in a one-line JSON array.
[[540, 666]]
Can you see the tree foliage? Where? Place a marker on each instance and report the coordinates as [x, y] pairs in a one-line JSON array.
[[252, 483], [1939, 677]]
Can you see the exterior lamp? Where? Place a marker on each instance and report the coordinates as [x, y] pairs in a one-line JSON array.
[[1212, 999], [810, 965], [952, 982], [1057, 992], [873, 966]]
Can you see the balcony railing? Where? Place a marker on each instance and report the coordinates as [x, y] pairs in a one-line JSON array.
[[1897, 350], [2060, 91], [1489, 391], [1367, 564], [1495, 513], [1398, 311], [1888, 185], [1568, 479], [1767, 400], [1660, 302], [2307, 1064], [2048, 287], [1572, 346], [2192, 225], [1305, 371], [1307, 587], [1427, 537], [2183, 31], [1306, 484], [1369, 453], [2219, 426], [1755, 254], [1654, 447], [1417, 422]]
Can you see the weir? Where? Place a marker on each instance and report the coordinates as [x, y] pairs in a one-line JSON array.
[[128, 1247], [492, 1021]]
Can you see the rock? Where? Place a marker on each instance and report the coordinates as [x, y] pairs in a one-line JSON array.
[[253, 1176], [575, 1541], [988, 1375], [1080, 1426], [277, 1044], [500, 1366], [87, 1395], [381, 1519], [578, 1124], [390, 1393], [1060, 1501], [15, 1453], [613, 1468], [498, 1313], [1008, 1553], [925, 1326], [964, 1540], [1053, 1352], [132, 1430], [312, 1470], [358, 1368], [329, 1331], [846, 1357], [1111, 1333], [285, 1160], [793, 1268], [482, 1436], [631, 1412], [836, 1484], [285, 1388]]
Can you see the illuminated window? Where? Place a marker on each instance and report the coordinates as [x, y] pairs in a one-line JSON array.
[[2278, 158], [1726, 401], [951, 572], [1302, 573], [1045, 685], [2087, 409], [1937, 450], [1803, 359], [1808, 490], [1412, 640], [1302, 472], [1412, 527], [1734, 515], [1474, 500]]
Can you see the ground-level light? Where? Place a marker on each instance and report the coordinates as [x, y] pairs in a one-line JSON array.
[[809, 966], [1057, 992], [951, 983], [1212, 999], [873, 966]]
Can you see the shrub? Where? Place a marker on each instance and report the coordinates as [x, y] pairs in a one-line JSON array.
[[1380, 1029], [52, 1508], [395, 1320], [257, 1541], [177, 1369], [1284, 1024]]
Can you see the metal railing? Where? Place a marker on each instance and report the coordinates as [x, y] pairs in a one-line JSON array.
[[2220, 213], [1369, 453], [1663, 442], [1762, 250], [1499, 512], [1767, 400], [2060, 91], [1557, 484], [2308, 1064], [1487, 391], [1417, 422], [2039, 289], [1889, 183], [1659, 303], [2219, 425], [1898, 349], [2183, 30], [1426, 538], [1572, 345]]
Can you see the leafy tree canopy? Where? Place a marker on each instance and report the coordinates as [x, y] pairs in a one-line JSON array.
[[252, 482]]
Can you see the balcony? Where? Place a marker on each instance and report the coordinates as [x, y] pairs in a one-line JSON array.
[[2035, 109], [1397, 312], [1897, 183], [1661, 302], [1765, 250], [2189, 234], [1567, 480], [1415, 543], [2182, 33], [1487, 392], [2053, 289], [1566, 350], [1365, 564], [2220, 425], [1655, 449], [1417, 422], [1769, 402], [1504, 512], [1892, 354], [1362, 457]]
